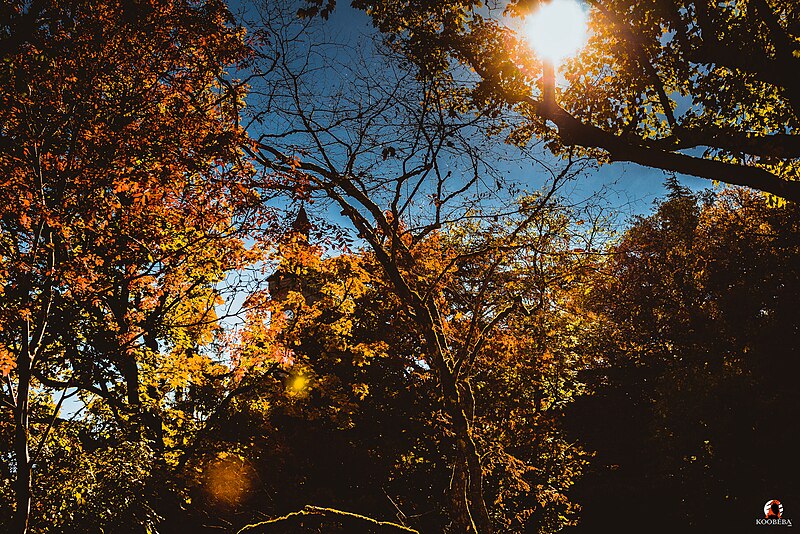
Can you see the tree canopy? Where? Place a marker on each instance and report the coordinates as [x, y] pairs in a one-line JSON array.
[[699, 88], [257, 279], [123, 190], [695, 343]]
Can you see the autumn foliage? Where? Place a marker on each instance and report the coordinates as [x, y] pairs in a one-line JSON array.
[[247, 286], [122, 198]]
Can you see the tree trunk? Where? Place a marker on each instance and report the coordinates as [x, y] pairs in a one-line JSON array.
[[467, 485], [469, 466], [22, 484], [459, 503], [474, 469]]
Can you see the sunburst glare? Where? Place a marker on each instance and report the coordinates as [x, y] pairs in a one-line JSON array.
[[557, 29]]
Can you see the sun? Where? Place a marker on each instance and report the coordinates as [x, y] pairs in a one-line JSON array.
[[557, 29]]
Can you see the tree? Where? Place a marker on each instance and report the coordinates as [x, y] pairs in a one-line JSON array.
[[358, 424], [692, 316], [345, 167], [403, 160], [124, 196], [693, 87]]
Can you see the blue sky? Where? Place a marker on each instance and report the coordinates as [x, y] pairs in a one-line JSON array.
[[626, 187]]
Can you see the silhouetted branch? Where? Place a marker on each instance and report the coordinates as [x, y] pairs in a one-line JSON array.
[[354, 522]]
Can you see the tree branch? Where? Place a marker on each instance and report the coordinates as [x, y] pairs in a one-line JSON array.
[[573, 132], [772, 145], [351, 521]]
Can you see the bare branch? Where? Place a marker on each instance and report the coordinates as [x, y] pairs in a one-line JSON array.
[[349, 520]]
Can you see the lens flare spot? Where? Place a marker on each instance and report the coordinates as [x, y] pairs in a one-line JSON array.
[[227, 480], [298, 385]]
